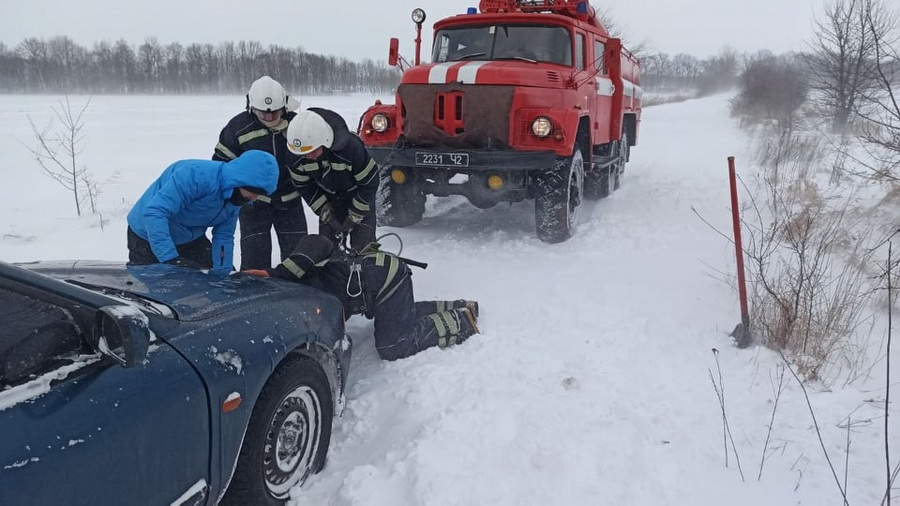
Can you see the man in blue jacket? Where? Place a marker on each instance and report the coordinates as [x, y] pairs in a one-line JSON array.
[[168, 223]]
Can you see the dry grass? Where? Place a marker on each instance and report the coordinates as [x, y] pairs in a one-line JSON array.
[[807, 285]]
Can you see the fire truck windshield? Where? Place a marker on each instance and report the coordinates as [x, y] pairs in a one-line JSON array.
[[552, 44]]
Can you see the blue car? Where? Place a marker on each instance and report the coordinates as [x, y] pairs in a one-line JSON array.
[[158, 384]]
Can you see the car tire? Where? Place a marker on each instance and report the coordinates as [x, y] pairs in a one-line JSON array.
[[398, 205], [287, 437]]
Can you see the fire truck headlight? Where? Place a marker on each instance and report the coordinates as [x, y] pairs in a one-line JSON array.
[[379, 122], [418, 16], [398, 176], [542, 126]]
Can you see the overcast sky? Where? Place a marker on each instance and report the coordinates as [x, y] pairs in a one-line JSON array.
[[359, 29]]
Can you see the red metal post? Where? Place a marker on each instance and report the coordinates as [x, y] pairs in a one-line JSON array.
[[741, 334], [418, 42]]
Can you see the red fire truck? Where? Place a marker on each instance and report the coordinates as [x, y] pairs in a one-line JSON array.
[[524, 99]]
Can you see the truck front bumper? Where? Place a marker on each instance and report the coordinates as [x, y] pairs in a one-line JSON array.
[[452, 159], [485, 177]]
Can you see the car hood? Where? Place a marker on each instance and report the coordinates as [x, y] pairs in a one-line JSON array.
[[192, 294]]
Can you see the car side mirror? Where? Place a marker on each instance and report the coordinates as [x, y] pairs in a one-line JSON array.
[[122, 334], [394, 51]]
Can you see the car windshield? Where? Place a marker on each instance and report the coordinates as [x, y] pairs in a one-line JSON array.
[[550, 44]]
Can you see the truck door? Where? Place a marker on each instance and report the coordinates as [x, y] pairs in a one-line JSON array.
[[603, 96]]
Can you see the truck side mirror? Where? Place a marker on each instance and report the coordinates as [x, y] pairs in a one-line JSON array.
[[394, 51]]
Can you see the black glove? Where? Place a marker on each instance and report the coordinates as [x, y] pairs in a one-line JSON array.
[[326, 217], [185, 262]]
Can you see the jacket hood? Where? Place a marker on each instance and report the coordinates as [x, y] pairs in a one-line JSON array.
[[253, 168]]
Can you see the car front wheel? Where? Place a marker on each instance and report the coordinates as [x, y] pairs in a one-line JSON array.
[[288, 435]]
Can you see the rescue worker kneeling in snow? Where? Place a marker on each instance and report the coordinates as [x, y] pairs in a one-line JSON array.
[[168, 223], [335, 174], [379, 285]]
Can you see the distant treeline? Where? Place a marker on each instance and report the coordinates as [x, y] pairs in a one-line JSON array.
[[661, 72], [59, 65]]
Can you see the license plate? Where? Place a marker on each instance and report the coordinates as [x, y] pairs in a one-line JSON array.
[[443, 159]]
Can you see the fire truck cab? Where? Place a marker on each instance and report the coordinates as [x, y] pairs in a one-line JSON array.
[[523, 99]]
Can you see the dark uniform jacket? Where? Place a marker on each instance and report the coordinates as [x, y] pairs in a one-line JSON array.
[[345, 173], [361, 282], [245, 132]]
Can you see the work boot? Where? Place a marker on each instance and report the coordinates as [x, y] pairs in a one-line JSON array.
[[454, 326], [471, 305], [467, 325]]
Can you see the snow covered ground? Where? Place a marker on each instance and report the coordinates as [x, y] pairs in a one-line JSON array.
[[591, 381]]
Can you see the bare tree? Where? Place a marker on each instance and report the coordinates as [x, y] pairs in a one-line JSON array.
[[880, 107], [843, 62], [174, 56], [36, 53], [57, 153], [150, 55], [772, 88], [718, 72]]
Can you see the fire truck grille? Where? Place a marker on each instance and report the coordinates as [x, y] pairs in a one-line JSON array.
[[456, 115]]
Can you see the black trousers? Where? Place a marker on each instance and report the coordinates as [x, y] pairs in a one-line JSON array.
[[140, 253], [362, 234], [257, 220], [403, 327]]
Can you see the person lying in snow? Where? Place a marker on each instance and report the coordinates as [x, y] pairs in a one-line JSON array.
[[378, 285]]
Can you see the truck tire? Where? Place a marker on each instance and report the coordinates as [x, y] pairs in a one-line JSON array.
[[398, 205], [558, 197], [624, 152], [287, 437], [599, 183]]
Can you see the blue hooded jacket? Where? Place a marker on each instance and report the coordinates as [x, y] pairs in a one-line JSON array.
[[191, 196]]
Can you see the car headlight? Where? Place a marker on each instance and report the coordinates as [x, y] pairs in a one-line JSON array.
[[379, 122], [542, 126]]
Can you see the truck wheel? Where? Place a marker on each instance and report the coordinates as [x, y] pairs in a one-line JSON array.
[[599, 183], [287, 437], [558, 197], [398, 205], [624, 151]]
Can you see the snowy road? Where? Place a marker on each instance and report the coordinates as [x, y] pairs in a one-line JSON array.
[[590, 383]]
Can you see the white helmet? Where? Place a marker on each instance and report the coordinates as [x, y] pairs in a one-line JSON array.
[[266, 94], [308, 132]]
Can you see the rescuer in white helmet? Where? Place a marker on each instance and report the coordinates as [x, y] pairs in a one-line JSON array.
[[335, 174], [262, 126]]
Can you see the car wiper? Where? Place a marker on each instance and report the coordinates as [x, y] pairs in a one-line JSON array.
[[148, 303]]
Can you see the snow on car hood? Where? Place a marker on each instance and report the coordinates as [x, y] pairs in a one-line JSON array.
[[192, 294]]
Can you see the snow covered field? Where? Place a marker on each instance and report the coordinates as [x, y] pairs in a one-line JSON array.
[[590, 383]]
